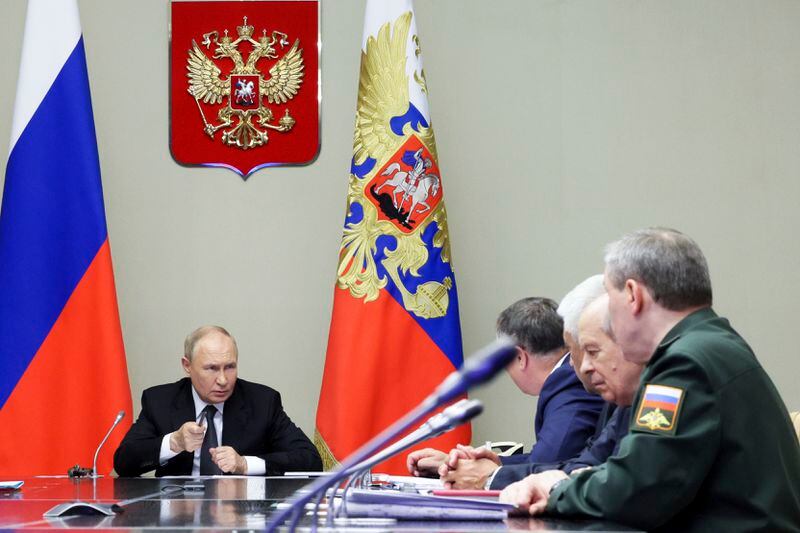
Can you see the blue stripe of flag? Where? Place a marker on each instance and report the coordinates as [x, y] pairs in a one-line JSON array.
[[52, 221], [445, 331]]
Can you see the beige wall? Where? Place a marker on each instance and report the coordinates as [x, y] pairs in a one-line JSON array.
[[560, 125]]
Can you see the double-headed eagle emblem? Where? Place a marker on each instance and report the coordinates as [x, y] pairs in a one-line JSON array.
[[245, 87], [395, 189], [654, 419]]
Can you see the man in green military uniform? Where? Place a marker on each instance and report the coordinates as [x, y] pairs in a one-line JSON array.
[[711, 446]]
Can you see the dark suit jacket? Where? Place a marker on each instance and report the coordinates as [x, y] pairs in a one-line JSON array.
[[253, 423], [566, 415], [613, 428]]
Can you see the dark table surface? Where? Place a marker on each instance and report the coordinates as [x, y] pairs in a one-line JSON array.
[[224, 503]]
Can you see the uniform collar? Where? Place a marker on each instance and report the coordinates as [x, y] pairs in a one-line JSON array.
[[687, 323]]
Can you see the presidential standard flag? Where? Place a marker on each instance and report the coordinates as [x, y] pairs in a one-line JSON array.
[[395, 330], [63, 376]]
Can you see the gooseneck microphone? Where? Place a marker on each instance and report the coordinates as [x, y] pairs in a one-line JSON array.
[[477, 370], [480, 368], [120, 416], [452, 417], [79, 507]]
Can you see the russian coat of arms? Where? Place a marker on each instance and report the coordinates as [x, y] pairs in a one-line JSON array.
[[245, 87], [245, 83]]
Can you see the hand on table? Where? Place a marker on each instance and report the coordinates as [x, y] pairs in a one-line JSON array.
[[426, 462], [469, 474], [530, 495]]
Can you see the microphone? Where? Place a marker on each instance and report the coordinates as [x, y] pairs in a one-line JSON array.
[[461, 412], [449, 419], [480, 368], [120, 416], [79, 507], [452, 417]]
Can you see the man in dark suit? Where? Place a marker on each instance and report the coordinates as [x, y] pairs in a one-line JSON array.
[[566, 413], [211, 422], [614, 378]]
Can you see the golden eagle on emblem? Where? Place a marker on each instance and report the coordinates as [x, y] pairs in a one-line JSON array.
[[245, 87], [655, 419], [383, 95]]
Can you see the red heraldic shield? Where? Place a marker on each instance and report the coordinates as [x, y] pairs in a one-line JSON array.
[[244, 83], [407, 189]]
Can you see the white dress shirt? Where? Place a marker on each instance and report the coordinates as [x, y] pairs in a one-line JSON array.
[[255, 465]]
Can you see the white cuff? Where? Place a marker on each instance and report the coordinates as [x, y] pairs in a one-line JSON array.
[[256, 466], [488, 484], [166, 453]]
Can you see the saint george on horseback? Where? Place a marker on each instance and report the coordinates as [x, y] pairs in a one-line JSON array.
[[415, 184]]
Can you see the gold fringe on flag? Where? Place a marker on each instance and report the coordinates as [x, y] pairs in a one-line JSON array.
[[329, 462]]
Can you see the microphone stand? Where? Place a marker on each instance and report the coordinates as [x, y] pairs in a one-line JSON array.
[[449, 419], [356, 474], [322, 484], [120, 416], [79, 507], [479, 369]]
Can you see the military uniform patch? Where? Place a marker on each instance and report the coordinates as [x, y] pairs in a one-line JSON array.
[[658, 409]]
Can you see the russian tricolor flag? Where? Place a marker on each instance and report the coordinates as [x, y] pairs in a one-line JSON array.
[[63, 375], [660, 397]]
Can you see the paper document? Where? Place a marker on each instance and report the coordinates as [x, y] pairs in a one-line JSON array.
[[419, 483], [306, 474], [411, 506], [11, 485]]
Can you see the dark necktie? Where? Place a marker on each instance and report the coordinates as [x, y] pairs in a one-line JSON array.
[[207, 466]]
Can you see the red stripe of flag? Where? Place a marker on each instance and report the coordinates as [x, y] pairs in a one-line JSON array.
[[82, 359], [362, 393], [660, 405]]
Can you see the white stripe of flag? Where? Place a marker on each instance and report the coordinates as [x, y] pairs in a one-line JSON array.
[[661, 390], [52, 30]]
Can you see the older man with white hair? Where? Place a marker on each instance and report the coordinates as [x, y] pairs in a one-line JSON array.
[[710, 447], [475, 468], [607, 372], [566, 415], [571, 308]]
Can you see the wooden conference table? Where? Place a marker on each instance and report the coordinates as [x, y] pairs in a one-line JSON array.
[[224, 503]]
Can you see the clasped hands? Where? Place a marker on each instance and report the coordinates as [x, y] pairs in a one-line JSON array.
[[189, 437], [464, 467]]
